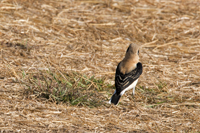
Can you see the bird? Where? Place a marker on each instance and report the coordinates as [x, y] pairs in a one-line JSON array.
[[127, 73]]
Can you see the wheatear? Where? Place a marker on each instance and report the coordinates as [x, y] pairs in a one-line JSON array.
[[127, 73]]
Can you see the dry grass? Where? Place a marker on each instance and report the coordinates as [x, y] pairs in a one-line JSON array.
[[90, 38]]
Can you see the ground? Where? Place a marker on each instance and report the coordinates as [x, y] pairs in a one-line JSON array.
[[90, 38]]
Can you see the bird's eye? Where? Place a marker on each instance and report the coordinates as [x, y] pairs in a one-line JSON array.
[[127, 49], [138, 52]]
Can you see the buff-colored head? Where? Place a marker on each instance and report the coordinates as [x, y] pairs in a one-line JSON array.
[[131, 58], [133, 50]]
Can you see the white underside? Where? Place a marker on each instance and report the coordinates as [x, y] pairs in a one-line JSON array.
[[132, 86]]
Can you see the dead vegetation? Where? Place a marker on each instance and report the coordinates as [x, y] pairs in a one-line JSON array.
[[89, 38]]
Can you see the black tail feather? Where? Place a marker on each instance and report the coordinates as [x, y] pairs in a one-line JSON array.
[[115, 99]]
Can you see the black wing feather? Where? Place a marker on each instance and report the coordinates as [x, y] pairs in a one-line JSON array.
[[122, 81]]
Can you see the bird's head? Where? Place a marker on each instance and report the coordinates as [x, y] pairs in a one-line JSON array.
[[131, 59], [133, 50]]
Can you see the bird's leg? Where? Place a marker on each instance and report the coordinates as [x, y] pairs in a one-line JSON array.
[[134, 94], [134, 99], [133, 91]]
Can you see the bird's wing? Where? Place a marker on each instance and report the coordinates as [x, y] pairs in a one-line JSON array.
[[122, 81]]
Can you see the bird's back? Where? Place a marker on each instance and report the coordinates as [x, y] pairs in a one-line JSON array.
[[122, 81]]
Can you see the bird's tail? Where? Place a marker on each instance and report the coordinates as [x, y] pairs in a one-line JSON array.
[[115, 99]]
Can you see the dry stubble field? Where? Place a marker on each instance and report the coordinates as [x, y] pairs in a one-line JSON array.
[[89, 38]]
